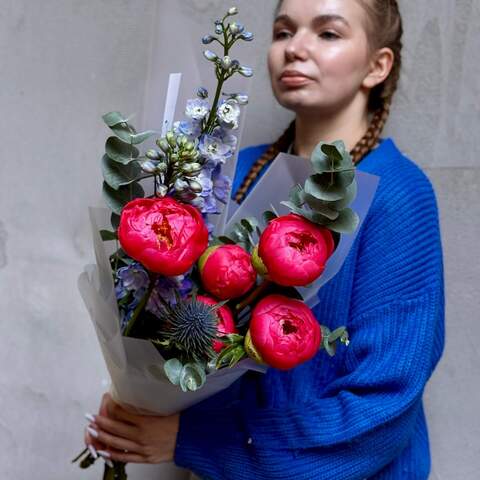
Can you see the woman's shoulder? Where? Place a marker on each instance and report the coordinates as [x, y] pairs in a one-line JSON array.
[[398, 173]]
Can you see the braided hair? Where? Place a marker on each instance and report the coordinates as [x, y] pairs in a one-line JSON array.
[[384, 29]]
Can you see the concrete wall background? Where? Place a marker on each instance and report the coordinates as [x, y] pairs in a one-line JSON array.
[[65, 63]]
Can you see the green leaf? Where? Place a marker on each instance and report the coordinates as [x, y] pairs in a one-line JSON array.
[[116, 174], [141, 137], [326, 154], [115, 220], [314, 217], [249, 223], [119, 151], [173, 369], [321, 206], [192, 377], [124, 131], [336, 334], [226, 240], [330, 347], [117, 199], [347, 222], [114, 118], [296, 195], [331, 151], [268, 216], [349, 197], [328, 186], [107, 235]]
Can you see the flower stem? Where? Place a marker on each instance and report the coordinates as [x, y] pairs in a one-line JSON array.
[[140, 306], [253, 295]]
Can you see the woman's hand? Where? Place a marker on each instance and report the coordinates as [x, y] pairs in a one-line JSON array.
[[122, 436]]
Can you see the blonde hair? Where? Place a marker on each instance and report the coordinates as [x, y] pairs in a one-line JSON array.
[[384, 29]]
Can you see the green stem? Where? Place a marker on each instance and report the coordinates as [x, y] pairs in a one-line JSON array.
[[140, 306], [253, 295]]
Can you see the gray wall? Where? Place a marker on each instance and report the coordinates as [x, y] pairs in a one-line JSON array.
[[66, 62]]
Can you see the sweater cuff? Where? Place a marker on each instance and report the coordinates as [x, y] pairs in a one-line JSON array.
[[203, 436]]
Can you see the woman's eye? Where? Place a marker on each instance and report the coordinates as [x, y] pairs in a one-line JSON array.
[[329, 35], [280, 35]]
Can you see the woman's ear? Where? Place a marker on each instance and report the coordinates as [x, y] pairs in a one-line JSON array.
[[380, 67]]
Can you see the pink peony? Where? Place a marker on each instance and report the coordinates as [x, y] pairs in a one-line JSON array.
[[284, 332], [294, 250], [164, 235]]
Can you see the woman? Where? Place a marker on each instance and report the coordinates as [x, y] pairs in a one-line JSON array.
[[336, 64]]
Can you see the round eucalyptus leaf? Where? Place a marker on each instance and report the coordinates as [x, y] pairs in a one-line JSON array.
[[114, 118], [192, 377], [173, 369], [117, 199], [314, 217], [119, 151], [350, 195], [347, 222], [329, 186], [116, 174], [321, 206], [141, 137]]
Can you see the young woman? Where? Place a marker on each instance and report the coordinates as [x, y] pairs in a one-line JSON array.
[[359, 415]]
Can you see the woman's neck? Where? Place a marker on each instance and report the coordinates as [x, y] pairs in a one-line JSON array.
[[348, 125]]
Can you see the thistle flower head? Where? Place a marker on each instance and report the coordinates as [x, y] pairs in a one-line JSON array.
[[192, 328]]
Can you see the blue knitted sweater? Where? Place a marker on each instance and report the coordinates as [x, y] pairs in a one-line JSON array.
[[359, 414]]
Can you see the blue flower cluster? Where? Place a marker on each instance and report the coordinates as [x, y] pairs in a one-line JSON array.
[[131, 284]]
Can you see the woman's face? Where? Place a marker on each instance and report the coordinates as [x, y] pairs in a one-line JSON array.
[[326, 42]]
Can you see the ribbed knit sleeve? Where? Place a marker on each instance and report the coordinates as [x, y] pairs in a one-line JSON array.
[[364, 417]]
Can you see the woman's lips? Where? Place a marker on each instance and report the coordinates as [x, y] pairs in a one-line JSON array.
[[295, 81]]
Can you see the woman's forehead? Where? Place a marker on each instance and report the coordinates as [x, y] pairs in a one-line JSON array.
[[350, 12]]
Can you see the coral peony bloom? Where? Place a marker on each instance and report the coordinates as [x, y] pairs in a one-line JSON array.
[[295, 250], [164, 235], [284, 331], [227, 271], [226, 323]]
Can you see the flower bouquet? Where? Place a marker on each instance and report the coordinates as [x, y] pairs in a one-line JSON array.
[[181, 308]]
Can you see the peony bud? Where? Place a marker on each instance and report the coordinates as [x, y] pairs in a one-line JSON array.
[[226, 271]]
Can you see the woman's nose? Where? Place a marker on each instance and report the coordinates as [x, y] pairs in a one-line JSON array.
[[297, 47]]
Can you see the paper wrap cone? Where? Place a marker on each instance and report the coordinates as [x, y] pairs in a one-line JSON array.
[[135, 366]]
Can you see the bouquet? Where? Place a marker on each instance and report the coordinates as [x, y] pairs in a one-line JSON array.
[[183, 308]]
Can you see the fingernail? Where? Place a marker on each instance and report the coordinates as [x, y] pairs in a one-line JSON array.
[[92, 432], [90, 417], [103, 453], [108, 462], [93, 452]]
